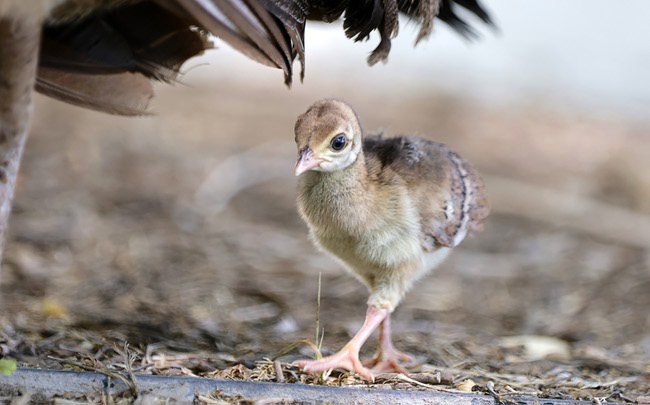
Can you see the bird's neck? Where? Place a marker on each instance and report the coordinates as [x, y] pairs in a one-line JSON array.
[[341, 200], [352, 178], [345, 189]]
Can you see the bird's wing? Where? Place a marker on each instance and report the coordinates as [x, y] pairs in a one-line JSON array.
[[153, 39], [464, 207], [105, 58], [269, 32], [142, 37], [446, 190]]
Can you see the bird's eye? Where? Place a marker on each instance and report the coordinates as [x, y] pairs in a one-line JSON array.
[[338, 143]]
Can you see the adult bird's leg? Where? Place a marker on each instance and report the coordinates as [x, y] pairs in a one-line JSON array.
[[387, 356], [19, 42], [348, 357]]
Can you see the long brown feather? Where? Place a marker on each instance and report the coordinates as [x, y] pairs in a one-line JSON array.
[[293, 16], [247, 22], [275, 28], [121, 93], [209, 16]]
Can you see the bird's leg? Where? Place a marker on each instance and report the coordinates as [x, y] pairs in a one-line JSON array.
[[348, 357], [19, 42], [387, 356]]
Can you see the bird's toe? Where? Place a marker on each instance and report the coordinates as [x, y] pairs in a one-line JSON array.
[[388, 366], [387, 360], [344, 359]]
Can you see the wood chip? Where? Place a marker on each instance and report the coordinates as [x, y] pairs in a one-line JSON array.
[[466, 385]]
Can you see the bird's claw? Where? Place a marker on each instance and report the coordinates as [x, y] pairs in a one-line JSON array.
[[387, 360], [386, 366], [345, 359]]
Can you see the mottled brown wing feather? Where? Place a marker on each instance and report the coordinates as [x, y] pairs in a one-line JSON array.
[[448, 192], [466, 205]]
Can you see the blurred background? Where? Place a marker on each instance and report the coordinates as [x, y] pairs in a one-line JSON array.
[[180, 229]]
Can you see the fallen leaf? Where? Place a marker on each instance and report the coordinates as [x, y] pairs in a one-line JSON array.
[[54, 309], [538, 347], [238, 372], [7, 366]]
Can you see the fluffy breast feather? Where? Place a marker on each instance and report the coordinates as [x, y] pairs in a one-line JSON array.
[[364, 224]]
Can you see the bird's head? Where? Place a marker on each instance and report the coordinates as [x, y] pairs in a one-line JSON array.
[[328, 137]]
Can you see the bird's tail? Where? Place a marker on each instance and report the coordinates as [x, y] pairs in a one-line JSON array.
[[105, 57]]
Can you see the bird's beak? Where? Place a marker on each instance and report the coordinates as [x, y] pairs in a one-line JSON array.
[[306, 161]]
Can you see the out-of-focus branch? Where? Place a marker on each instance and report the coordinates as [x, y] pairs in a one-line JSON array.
[[568, 210]]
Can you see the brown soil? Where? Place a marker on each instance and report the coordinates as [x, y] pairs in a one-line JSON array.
[[123, 231]]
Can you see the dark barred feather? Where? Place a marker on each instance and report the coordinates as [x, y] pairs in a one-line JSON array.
[[293, 15], [362, 17], [448, 15], [327, 10], [476, 9]]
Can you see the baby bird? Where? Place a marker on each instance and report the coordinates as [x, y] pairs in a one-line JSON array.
[[390, 209]]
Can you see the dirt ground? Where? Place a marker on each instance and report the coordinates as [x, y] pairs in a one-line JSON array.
[[178, 234]]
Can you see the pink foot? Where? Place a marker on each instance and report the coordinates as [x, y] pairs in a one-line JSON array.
[[387, 361], [346, 359], [387, 356]]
